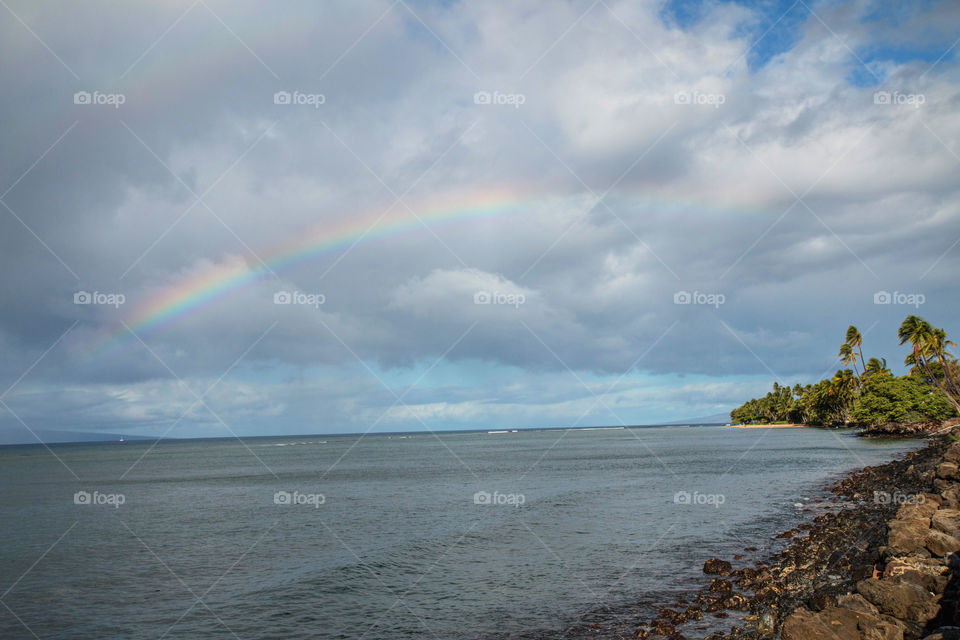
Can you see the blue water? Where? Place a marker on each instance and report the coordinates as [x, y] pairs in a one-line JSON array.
[[383, 538]]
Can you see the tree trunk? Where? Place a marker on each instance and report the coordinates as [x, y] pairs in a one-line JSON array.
[[949, 396], [948, 374]]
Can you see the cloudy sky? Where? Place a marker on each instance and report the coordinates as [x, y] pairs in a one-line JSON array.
[[239, 218]]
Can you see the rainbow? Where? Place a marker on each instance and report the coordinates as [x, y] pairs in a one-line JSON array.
[[213, 282], [202, 288]]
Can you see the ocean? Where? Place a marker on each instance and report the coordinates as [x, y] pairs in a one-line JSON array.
[[448, 535]]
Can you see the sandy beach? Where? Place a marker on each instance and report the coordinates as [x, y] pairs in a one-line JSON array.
[[769, 426]]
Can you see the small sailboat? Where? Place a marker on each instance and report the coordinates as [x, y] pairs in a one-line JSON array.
[[121, 438]]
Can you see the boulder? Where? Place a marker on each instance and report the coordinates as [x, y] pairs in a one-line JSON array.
[[951, 497], [952, 453], [920, 508], [719, 585], [807, 625], [946, 520], [839, 622], [941, 544], [906, 536], [716, 566], [901, 599], [926, 572], [856, 602], [947, 470]]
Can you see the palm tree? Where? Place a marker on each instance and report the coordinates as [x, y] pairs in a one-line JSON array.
[[842, 387], [847, 356], [929, 345], [939, 344], [854, 339], [875, 366]]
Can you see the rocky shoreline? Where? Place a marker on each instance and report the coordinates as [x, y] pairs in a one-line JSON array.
[[908, 429], [881, 565]]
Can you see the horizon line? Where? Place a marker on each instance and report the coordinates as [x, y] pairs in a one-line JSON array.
[[488, 430]]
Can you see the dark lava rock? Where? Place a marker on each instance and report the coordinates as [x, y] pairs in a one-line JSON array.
[[720, 586], [820, 601], [862, 572], [693, 613], [808, 590], [737, 602], [717, 567], [662, 628], [670, 616]]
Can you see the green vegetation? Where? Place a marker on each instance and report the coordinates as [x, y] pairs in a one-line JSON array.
[[886, 398], [870, 394]]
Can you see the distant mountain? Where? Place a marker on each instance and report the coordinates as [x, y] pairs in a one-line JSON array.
[[51, 436], [716, 418]]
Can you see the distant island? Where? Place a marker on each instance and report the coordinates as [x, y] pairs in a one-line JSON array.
[[869, 396]]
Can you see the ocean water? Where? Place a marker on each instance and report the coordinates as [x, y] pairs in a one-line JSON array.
[[446, 536]]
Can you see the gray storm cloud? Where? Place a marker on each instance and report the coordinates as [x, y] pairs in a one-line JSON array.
[[595, 159]]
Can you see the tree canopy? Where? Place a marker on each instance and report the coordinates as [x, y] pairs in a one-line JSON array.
[[870, 394]]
